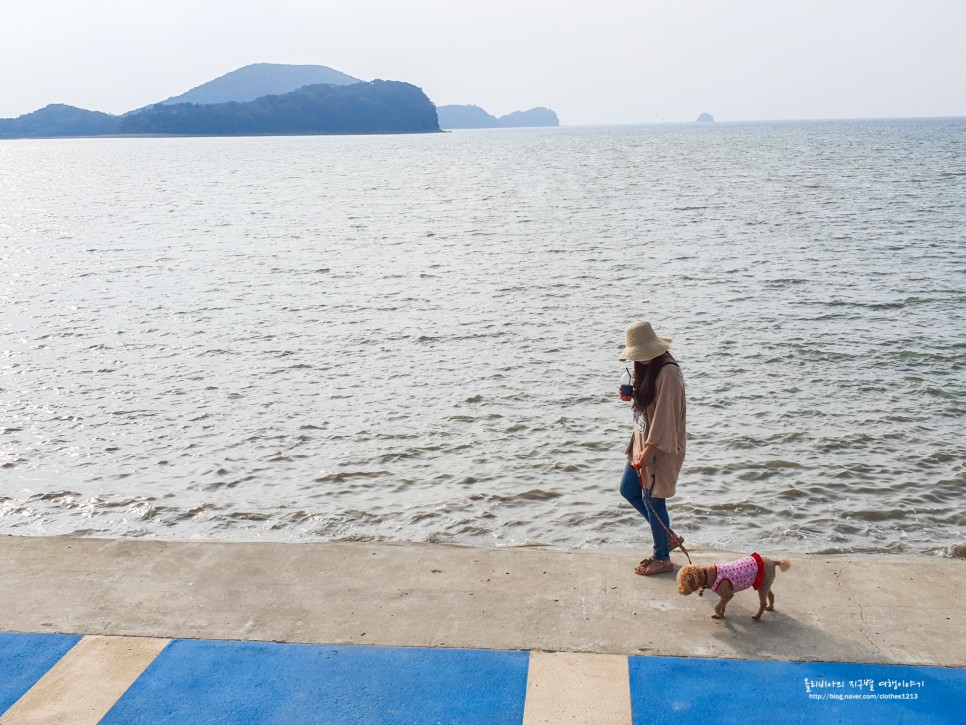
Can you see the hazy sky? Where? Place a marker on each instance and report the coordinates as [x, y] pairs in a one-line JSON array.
[[631, 61]]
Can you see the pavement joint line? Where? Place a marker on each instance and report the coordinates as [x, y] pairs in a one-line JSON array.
[[591, 689], [86, 682]]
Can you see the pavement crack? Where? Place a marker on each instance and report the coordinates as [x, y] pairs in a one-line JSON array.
[[863, 625]]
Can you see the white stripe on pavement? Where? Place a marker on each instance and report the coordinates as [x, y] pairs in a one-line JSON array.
[[86, 682], [589, 689]]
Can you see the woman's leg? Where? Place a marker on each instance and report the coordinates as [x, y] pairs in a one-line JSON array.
[[657, 530], [631, 490]]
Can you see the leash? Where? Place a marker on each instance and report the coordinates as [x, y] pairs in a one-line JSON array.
[[647, 499]]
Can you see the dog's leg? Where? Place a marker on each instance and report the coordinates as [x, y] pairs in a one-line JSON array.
[[771, 601], [762, 595], [725, 593], [765, 597]]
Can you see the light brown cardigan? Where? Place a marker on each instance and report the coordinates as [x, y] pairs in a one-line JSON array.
[[666, 429]]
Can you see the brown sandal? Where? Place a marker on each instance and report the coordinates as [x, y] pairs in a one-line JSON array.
[[660, 567], [642, 567], [675, 543]]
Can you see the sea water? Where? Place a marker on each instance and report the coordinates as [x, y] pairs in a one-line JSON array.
[[415, 338]]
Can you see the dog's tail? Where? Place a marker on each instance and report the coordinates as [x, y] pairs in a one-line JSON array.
[[784, 564]]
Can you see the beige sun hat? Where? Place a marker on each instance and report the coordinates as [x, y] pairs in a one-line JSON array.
[[642, 343]]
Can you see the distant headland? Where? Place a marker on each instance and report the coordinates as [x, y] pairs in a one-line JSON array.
[[704, 118], [269, 99], [452, 117], [375, 107]]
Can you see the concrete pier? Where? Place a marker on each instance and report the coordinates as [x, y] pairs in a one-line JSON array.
[[579, 614], [880, 609]]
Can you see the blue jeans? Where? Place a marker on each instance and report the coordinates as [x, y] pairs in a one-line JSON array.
[[631, 490]]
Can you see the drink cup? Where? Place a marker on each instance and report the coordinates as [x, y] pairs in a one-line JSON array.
[[626, 392]]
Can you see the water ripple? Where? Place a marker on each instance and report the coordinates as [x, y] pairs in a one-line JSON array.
[[406, 338]]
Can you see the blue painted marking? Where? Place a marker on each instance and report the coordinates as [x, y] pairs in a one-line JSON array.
[[678, 690], [260, 682], [25, 658]]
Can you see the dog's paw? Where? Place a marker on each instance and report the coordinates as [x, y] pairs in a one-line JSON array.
[[717, 616]]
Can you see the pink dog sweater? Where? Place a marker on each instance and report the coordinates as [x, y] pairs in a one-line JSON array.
[[741, 574]]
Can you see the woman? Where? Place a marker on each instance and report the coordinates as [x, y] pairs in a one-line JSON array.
[[657, 445]]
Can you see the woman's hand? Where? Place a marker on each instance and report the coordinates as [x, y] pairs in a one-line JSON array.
[[648, 456]]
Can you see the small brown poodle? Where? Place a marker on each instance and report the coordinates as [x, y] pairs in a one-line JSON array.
[[752, 571]]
